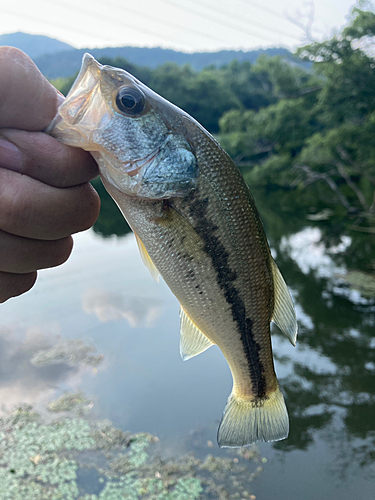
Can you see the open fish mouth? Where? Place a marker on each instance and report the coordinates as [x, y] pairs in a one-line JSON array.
[[83, 106]]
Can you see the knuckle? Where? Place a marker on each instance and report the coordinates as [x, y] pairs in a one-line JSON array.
[[14, 213], [13, 285], [63, 249], [12, 53], [90, 207]]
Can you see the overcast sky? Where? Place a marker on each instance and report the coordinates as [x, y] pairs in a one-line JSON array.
[[189, 25]]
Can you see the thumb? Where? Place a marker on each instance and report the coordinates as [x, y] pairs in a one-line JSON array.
[[27, 100]]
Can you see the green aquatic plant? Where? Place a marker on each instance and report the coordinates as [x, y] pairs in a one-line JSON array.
[[70, 351], [36, 458], [76, 402], [78, 459]]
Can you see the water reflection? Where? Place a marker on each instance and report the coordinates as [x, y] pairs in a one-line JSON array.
[[329, 378], [110, 306], [35, 362], [330, 388], [105, 296], [307, 249]]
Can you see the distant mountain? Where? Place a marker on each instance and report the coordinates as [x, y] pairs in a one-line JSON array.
[[43, 50], [69, 62], [34, 45]]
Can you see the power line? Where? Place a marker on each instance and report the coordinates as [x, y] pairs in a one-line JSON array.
[[143, 15], [52, 23], [105, 18], [219, 21], [211, 19], [111, 20], [261, 7], [169, 24], [244, 19]]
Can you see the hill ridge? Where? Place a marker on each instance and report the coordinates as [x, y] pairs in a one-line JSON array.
[[57, 59]]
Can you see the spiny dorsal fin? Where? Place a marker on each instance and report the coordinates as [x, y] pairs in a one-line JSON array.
[[147, 259], [284, 315], [192, 340]]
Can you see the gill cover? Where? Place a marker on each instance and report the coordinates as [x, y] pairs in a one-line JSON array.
[[125, 125]]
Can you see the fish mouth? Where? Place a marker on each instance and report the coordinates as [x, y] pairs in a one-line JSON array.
[[84, 93], [82, 107]]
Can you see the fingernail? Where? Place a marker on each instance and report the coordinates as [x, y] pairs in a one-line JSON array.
[[10, 156]]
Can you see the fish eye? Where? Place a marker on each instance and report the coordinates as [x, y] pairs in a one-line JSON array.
[[130, 101]]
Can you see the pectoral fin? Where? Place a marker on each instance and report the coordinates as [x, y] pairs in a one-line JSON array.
[[192, 341], [147, 259], [284, 315]]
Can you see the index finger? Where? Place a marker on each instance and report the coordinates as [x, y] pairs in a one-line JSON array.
[[42, 157], [27, 100]]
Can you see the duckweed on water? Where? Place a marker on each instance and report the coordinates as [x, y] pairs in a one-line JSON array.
[[47, 461], [76, 402], [70, 351]]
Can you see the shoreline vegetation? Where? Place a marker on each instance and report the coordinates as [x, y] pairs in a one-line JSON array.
[[303, 136]]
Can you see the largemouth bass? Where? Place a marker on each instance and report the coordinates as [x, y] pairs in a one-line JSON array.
[[197, 226]]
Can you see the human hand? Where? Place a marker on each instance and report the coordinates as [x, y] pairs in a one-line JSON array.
[[45, 195]]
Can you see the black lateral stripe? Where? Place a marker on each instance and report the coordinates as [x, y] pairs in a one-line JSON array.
[[226, 277]]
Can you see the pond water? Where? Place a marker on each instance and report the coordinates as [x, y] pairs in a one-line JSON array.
[[101, 325]]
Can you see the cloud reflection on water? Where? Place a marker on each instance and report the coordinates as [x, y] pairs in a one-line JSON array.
[[35, 363], [308, 250], [109, 306]]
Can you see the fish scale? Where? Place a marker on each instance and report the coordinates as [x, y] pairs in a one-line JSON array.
[[197, 226]]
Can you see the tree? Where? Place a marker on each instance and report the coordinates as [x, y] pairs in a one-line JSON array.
[[321, 129]]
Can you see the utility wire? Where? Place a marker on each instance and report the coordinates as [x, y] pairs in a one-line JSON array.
[[219, 21], [243, 19], [264, 9], [104, 17], [169, 24], [111, 20], [52, 23], [143, 15]]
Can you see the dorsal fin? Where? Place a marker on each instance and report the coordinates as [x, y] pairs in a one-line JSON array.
[[147, 259], [192, 340], [284, 315]]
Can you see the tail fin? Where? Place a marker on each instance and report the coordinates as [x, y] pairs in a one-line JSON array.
[[245, 421]]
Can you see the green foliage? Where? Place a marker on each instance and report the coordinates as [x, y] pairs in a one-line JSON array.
[[250, 88], [348, 72], [281, 78], [284, 125], [319, 127], [110, 220], [139, 72], [64, 84], [204, 95]]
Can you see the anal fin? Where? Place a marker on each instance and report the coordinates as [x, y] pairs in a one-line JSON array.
[[284, 314], [192, 340], [147, 259]]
